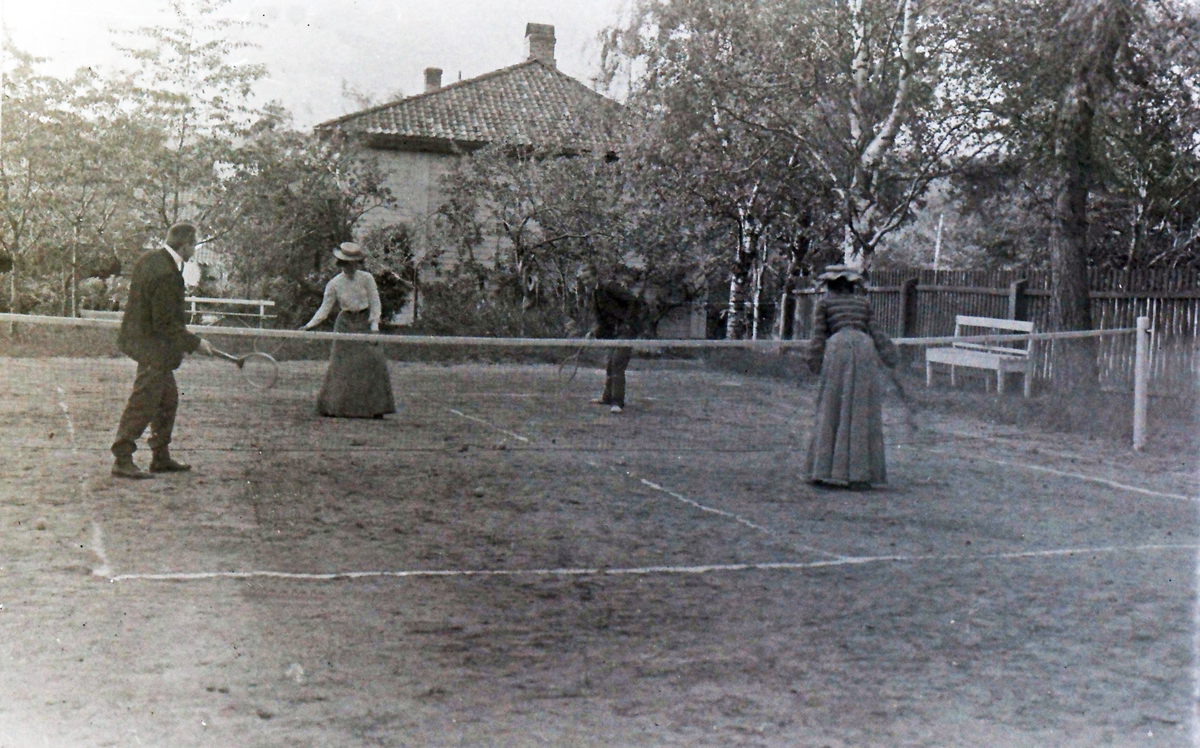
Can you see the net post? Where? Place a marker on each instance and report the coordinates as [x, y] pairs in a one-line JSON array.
[[1141, 368]]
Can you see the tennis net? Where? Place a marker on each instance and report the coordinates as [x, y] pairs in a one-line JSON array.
[[58, 366]]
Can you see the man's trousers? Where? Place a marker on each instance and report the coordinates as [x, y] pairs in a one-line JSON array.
[[614, 376], [153, 403]]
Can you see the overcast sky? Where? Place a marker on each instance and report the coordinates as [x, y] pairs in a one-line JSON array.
[[378, 47]]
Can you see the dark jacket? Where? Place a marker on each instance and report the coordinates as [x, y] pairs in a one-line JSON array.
[[153, 328], [619, 314]]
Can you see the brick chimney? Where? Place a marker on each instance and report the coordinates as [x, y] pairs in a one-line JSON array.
[[433, 79], [539, 39]]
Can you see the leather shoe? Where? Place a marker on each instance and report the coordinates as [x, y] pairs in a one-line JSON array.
[[168, 465], [123, 469]]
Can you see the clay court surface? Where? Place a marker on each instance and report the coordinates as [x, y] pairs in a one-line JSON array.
[[502, 564]]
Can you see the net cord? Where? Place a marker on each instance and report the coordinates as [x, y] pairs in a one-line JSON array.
[[639, 344]]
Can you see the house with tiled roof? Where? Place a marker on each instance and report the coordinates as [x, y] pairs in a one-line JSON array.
[[418, 139]]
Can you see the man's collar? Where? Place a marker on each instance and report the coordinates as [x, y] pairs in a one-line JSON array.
[[174, 256]]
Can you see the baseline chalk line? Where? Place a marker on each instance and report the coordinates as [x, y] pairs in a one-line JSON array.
[[638, 570]]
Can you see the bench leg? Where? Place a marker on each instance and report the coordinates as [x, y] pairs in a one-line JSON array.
[[953, 377], [999, 382], [1028, 382], [928, 374]]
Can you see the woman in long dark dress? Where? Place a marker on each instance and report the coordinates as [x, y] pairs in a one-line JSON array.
[[357, 384], [847, 350]]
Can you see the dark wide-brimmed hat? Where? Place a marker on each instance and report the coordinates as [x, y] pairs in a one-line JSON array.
[[350, 252], [832, 272]]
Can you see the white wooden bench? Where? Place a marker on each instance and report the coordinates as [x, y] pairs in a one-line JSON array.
[[1000, 356], [208, 311], [96, 314]]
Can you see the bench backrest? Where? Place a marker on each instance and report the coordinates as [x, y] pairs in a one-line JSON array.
[[988, 325], [208, 308], [96, 314]]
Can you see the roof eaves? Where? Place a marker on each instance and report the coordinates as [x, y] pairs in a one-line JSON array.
[[392, 141]]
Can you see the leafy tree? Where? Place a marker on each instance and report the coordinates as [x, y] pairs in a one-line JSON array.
[[1098, 116], [26, 159], [853, 93], [395, 256], [69, 144], [532, 215], [200, 101], [702, 64], [97, 143], [93, 167], [287, 199]]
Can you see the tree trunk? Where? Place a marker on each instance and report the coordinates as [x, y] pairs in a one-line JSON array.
[[797, 251], [416, 294], [75, 276], [739, 280], [755, 302], [12, 295], [735, 317], [1070, 301]]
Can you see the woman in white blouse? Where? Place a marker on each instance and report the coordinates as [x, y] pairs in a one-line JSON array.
[[357, 384]]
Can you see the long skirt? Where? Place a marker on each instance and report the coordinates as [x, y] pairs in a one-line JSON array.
[[847, 439], [356, 384]]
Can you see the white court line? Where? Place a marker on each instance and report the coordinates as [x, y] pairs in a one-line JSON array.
[[489, 425], [62, 404], [1009, 441], [639, 570], [677, 496], [103, 570], [1065, 474], [97, 544], [736, 518]]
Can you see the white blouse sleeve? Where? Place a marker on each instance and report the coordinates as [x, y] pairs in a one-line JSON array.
[[326, 303], [376, 307]]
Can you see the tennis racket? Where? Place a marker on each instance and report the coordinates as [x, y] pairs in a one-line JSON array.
[[262, 343], [910, 414], [573, 361], [260, 370]]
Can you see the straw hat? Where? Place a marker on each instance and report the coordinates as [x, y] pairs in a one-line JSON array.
[[350, 252], [854, 275]]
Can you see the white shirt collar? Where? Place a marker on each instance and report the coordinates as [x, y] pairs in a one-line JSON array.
[[174, 255]]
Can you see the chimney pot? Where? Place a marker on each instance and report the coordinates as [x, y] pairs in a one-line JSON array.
[[433, 79], [539, 40]]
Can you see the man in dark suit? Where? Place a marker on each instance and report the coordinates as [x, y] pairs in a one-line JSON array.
[[619, 314], [154, 334]]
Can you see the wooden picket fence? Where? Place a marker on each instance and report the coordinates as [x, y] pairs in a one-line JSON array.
[[923, 303]]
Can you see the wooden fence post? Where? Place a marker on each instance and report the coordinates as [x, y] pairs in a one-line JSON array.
[[908, 317], [802, 321], [1018, 300]]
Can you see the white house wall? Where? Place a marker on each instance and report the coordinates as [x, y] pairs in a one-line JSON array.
[[413, 177]]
